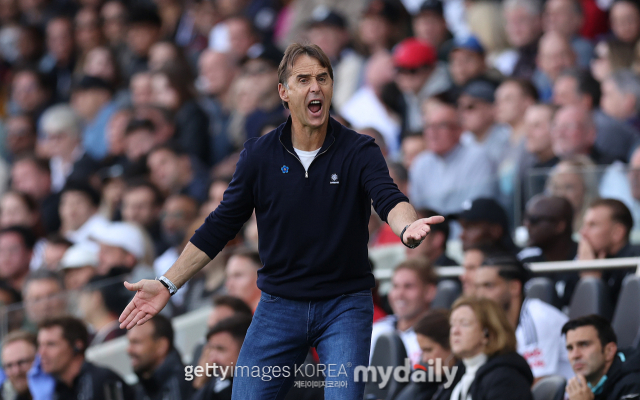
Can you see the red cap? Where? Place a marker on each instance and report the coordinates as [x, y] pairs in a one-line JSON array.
[[412, 53]]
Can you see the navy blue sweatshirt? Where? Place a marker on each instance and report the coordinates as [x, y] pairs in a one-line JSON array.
[[313, 226]]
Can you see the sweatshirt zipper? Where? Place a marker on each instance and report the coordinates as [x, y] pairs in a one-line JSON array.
[[306, 171]]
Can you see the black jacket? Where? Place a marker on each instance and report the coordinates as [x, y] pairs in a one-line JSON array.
[[167, 382], [313, 226], [95, 383], [623, 379], [502, 377]]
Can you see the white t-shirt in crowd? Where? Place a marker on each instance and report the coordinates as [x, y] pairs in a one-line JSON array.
[[306, 157], [540, 339], [409, 338]]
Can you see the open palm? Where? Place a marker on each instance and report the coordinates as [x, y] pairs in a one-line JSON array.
[[151, 297]]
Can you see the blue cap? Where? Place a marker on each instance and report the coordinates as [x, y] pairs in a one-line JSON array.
[[469, 43]]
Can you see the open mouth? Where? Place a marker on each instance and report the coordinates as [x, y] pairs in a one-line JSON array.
[[315, 106]]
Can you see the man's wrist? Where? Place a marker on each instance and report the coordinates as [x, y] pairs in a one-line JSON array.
[[405, 243], [166, 282]]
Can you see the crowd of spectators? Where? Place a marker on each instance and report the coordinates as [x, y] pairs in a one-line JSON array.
[[121, 123]]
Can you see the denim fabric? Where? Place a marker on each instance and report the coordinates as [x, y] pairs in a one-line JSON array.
[[282, 332]]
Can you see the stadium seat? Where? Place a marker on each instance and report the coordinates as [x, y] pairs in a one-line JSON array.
[[542, 289], [448, 291], [591, 296], [626, 319], [389, 351], [549, 388]]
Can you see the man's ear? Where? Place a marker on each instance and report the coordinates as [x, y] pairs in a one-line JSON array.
[[496, 231], [431, 292], [618, 233], [515, 288], [560, 227], [610, 350], [283, 92]]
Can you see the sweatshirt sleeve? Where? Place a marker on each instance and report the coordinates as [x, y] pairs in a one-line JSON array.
[[377, 182], [224, 223]]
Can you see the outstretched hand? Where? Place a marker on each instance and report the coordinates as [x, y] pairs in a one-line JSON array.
[[151, 297], [418, 230]]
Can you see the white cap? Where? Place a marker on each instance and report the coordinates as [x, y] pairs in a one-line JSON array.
[[124, 235], [80, 255]]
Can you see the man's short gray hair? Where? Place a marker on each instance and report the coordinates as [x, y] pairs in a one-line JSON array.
[[533, 7], [628, 83], [61, 118]]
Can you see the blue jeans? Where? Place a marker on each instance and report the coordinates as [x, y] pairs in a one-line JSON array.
[[279, 338]]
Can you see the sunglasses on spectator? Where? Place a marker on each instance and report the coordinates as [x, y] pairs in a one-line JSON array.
[[468, 107], [19, 363], [408, 71]]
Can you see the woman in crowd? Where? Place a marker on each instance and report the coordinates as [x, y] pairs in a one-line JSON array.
[[484, 340]]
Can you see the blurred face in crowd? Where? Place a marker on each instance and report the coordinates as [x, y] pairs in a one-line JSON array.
[[216, 193], [616, 103], [56, 353], [522, 27], [75, 278], [601, 231], [219, 313], [141, 89], [87, 102], [26, 91], [165, 169], [52, 255], [587, 355], [466, 336], [26, 177], [224, 350], [409, 297], [308, 81], [542, 223], [216, 72], [601, 66], [75, 209], [430, 27], [562, 16], [43, 299], [21, 136], [60, 143], [476, 233], [14, 211], [568, 183], [116, 130], [60, 39], [140, 38], [412, 80], [379, 71], [374, 31], [138, 143], [17, 358], [465, 65], [161, 54], [441, 129], [114, 256], [139, 206], [240, 37], [162, 93], [242, 275], [264, 76], [178, 213], [490, 285], [100, 63], [146, 352], [625, 21], [476, 115], [555, 54], [537, 128], [114, 17], [331, 39], [634, 174], [411, 146], [473, 259], [572, 132], [14, 256], [565, 92], [87, 29], [511, 104], [432, 350]]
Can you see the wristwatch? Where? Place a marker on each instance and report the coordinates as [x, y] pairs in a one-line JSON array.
[[411, 246], [168, 284]]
